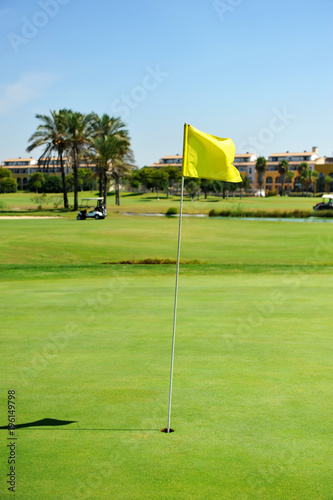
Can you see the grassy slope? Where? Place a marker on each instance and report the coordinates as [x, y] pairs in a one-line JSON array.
[[91, 343]]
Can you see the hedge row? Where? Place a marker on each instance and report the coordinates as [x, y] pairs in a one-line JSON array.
[[280, 214]]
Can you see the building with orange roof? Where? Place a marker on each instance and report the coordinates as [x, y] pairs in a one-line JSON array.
[[246, 164], [23, 168]]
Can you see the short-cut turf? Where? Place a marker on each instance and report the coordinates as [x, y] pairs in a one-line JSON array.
[[87, 342]]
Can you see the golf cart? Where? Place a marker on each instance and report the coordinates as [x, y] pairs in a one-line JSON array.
[[88, 212], [326, 204]]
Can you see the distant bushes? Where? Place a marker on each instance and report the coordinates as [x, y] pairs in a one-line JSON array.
[[271, 193], [279, 214], [323, 213]]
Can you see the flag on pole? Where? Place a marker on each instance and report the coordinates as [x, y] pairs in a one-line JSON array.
[[209, 157]]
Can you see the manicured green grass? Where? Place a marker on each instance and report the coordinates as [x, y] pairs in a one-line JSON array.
[[223, 242], [88, 342], [21, 204]]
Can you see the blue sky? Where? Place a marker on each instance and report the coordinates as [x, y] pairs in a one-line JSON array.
[[259, 72]]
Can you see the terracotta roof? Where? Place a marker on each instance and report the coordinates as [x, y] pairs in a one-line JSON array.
[[304, 153], [292, 162], [247, 155], [172, 156], [244, 163], [19, 159], [159, 164]]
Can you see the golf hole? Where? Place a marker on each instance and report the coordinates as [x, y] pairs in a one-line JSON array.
[[166, 430]]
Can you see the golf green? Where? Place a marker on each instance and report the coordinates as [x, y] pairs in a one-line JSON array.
[[90, 343]]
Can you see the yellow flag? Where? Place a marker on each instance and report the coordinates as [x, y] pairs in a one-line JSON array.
[[209, 157]]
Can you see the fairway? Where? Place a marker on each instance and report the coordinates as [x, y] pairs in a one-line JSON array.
[[88, 340], [22, 204]]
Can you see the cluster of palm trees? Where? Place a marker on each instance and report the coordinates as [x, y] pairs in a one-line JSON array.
[[104, 141], [306, 175]]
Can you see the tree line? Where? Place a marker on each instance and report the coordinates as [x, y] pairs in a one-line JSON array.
[[168, 179], [102, 141]]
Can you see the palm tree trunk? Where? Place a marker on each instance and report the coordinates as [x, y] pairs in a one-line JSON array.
[[76, 182], [117, 187], [282, 186], [100, 183], [63, 178], [105, 188]]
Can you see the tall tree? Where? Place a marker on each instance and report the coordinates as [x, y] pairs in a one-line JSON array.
[[36, 181], [51, 135], [192, 187], [7, 182], [79, 129], [289, 177], [283, 168], [159, 179], [302, 167], [207, 185], [308, 178], [110, 148], [328, 182], [260, 167], [174, 176]]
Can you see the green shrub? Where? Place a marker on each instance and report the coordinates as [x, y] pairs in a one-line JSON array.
[[323, 213], [52, 184], [172, 211], [273, 192], [40, 200], [56, 201]]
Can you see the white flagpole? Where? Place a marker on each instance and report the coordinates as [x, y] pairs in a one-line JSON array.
[[176, 287]]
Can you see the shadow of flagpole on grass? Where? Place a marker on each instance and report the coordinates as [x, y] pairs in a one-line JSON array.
[[42, 423], [52, 422], [107, 430]]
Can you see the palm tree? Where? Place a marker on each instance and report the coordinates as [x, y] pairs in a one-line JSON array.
[[51, 134], [289, 176], [283, 168], [308, 178], [261, 164], [302, 167], [79, 128], [110, 149], [328, 182]]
